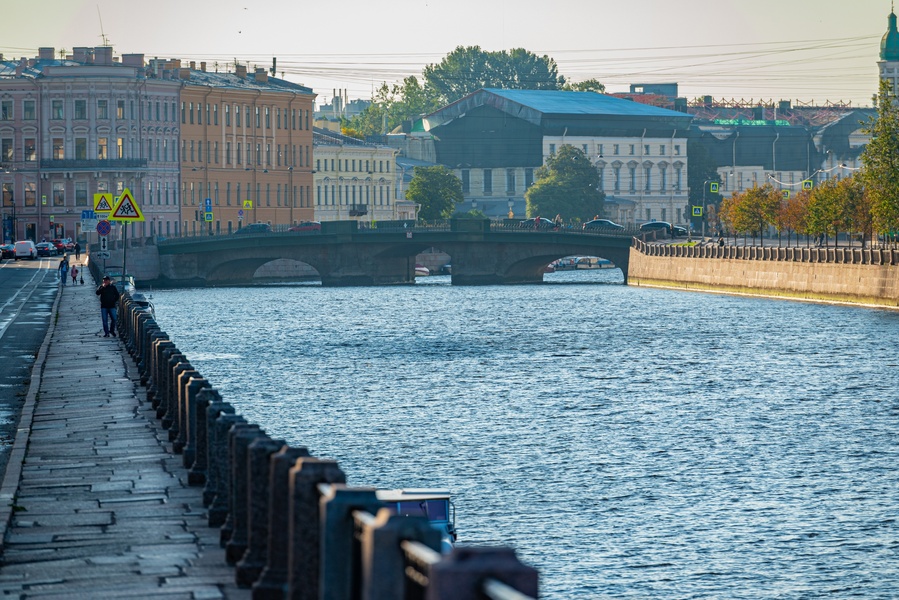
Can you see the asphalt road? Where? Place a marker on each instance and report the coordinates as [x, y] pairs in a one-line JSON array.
[[27, 291]]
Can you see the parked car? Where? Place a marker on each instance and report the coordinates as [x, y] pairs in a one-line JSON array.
[[602, 224], [254, 228], [307, 226], [60, 245], [47, 249], [543, 224], [7, 251], [667, 228], [25, 249]]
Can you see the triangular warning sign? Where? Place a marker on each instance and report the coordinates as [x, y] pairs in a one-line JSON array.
[[102, 202], [127, 209], [248, 204]]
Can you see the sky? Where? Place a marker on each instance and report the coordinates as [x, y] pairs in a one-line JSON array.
[[800, 50]]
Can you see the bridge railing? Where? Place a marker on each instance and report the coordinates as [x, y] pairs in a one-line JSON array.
[[290, 525], [847, 256]]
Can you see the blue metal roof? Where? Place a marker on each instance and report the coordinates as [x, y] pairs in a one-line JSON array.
[[582, 103]]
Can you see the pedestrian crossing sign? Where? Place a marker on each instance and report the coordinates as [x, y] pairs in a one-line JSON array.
[[713, 187], [208, 216], [126, 209], [697, 211], [786, 194], [807, 184], [103, 202], [248, 204]]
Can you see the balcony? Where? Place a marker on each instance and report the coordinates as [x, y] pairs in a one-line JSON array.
[[75, 164]]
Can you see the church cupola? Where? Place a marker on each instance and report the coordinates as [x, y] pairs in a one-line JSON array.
[[889, 45]]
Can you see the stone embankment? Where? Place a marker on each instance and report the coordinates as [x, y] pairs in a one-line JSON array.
[[847, 275]]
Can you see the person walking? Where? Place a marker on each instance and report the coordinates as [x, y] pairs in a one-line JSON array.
[[74, 271], [63, 271], [109, 299], [77, 251]]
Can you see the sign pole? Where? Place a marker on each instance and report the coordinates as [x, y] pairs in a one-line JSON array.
[[124, 252]]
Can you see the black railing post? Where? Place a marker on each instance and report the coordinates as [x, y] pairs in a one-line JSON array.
[[340, 569]]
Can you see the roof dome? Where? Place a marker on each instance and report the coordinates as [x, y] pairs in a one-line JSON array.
[[889, 45]]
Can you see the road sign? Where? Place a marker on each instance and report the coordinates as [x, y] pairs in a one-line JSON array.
[[807, 184], [89, 224], [697, 211], [103, 254], [240, 213], [103, 228], [208, 203], [104, 244], [52, 218], [102, 202], [208, 216], [248, 204], [786, 194], [713, 187], [126, 209], [87, 214], [240, 217]]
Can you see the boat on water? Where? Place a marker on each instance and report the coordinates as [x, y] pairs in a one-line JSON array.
[[433, 504], [573, 263], [421, 271]]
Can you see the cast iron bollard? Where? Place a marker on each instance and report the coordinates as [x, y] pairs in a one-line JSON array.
[[192, 389], [305, 533], [160, 340], [213, 412], [383, 565], [461, 574], [196, 474], [338, 571], [182, 373], [218, 460], [241, 438], [160, 363], [272, 582], [252, 562], [175, 363]]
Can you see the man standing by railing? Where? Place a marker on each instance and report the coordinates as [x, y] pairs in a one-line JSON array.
[[109, 299]]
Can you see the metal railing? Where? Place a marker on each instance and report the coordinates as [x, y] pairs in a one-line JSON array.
[[289, 524]]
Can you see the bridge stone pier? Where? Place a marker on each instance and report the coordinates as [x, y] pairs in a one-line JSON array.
[[482, 254]]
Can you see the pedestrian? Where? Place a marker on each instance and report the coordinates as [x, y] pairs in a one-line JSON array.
[[537, 222], [63, 271], [557, 222], [74, 272], [77, 251], [109, 298]]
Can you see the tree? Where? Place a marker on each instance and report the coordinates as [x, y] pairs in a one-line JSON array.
[[590, 85], [568, 185], [437, 190], [390, 106], [468, 69], [881, 160], [751, 211], [792, 215]]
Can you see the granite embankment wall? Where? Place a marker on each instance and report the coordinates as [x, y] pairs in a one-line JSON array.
[[868, 277]]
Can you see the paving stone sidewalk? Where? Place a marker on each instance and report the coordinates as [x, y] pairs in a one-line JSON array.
[[102, 508]]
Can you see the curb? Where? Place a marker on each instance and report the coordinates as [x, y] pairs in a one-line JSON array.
[[9, 488]]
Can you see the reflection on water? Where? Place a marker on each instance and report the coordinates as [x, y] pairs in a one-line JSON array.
[[626, 441]]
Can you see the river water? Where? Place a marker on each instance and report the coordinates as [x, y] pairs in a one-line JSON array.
[[627, 442]]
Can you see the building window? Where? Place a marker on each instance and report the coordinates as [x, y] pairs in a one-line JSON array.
[[80, 193], [190, 113], [647, 173], [552, 148], [215, 153], [646, 151], [488, 181], [183, 113], [268, 118], [615, 149], [120, 148], [102, 148], [237, 154], [30, 193], [663, 178], [633, 174], [59, 194], [228, 193], [6, 150], [120, 109], [510, 181], [632, 149], [102, 113], [466, 181], [59, 152], [28, 111], [81, 109], [30, 149], [227, 152], [258, 120], [227, 115], [56, 110], [677, 149], [215, 114], [6, 113], [616, 172], [8, 198]]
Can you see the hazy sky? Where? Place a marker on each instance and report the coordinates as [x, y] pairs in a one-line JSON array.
[[751, 49]]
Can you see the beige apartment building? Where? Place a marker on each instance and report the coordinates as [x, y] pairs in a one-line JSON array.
[[246, 149]]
